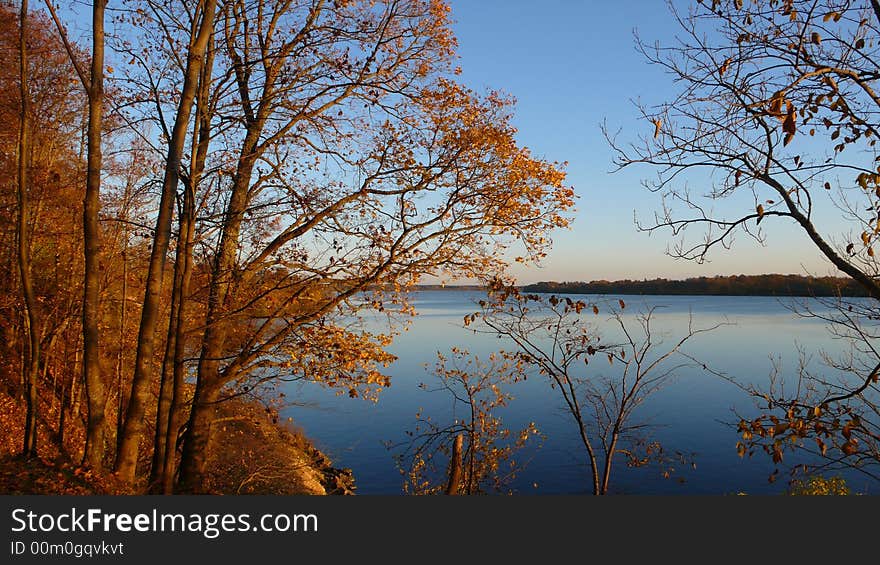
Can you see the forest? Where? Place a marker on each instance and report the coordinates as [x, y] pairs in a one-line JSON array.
[[734, 285], [192, 232], [204, 200]]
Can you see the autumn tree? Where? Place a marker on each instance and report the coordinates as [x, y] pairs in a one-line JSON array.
[[128, 205], [352, 163], [474, 453], [92, 79], [333, 161], [776, 113], [170, 413], [200, 35], [51, 230], [32, 320]]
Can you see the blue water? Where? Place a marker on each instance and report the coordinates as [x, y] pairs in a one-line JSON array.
[[691, 414]]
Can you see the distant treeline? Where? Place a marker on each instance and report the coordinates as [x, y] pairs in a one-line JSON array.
[[451, 287], [736, 285]]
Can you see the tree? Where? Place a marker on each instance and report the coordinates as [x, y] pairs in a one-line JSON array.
[[333, 160], [93, 84], [48, 230], [552, 338], [170, 412], [24, 255], [354, 164], [475, 454], [202, 30], [777, 100]]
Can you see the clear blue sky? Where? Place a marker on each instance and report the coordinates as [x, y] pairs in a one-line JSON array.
[[572, 64]]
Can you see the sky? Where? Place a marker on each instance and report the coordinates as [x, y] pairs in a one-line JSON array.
[[572, 64]]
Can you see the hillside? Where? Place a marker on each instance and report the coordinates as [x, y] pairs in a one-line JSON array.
[[252, 453]]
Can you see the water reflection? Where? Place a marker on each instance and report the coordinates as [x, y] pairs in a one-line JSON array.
[[692, 414]]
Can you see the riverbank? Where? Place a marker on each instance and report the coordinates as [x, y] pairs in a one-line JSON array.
[[251, 453]]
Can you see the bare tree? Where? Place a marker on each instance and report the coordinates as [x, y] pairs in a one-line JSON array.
[[825, 406], [777, 101], [552, 337]]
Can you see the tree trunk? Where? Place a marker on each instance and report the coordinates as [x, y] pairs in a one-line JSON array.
[[175, 412], [61, 409], [609, 459], [166, 392], [126, 459], [209, 378], [75, 384], [123, 311], [209, 382], [454, 483], [169, 414], [196, 441], [32, 361], [95, 390]]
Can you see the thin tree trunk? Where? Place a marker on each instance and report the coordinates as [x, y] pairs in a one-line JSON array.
[[95, 389], [169, 415], [22, 352], [175, 413], [163, 410], [126, 459], [609, 457], [24, 260], [75, 384], [61, 411], [454, 484], [208, 383], [123, 311]]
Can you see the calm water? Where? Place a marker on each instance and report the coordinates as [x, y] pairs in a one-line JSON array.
[[692, 414]]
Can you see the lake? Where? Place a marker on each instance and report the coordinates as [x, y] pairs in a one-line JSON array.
[[691, 414]]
